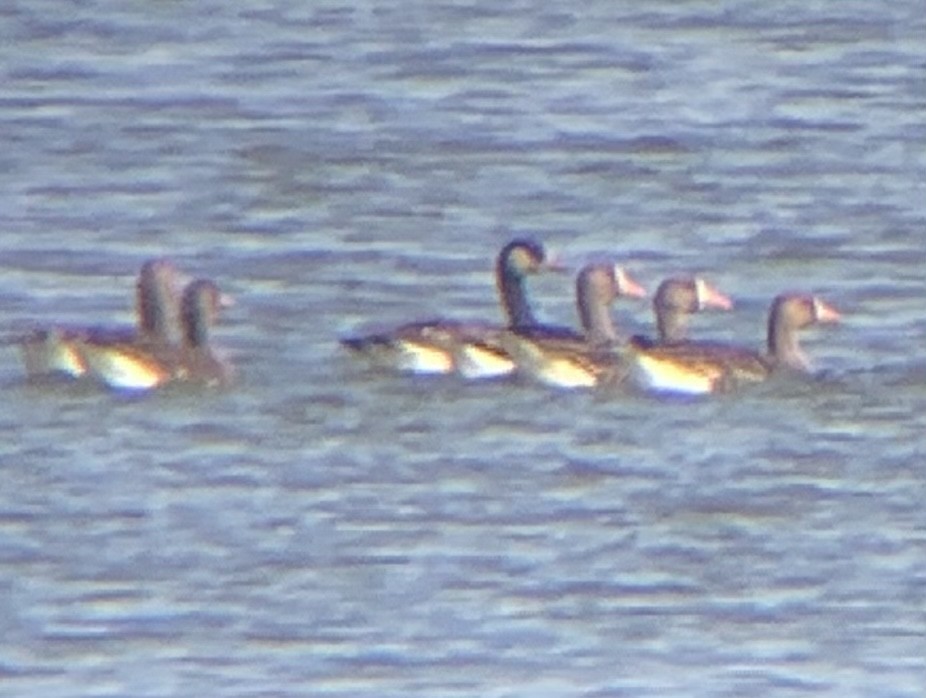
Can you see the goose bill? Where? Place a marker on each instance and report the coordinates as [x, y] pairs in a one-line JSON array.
[[710, 296], [825, 313], [626, 285]]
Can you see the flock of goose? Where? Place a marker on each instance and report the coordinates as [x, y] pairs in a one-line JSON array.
[[174, 315], [170, 343], [670, 362]]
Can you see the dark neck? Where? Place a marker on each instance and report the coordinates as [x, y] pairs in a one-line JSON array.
[[513, 296], [671, 324], [594, 312], [783, 346], [153, 315], [195, 326]]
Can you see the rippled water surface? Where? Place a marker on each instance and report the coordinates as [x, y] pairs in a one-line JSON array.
[[324, 529]]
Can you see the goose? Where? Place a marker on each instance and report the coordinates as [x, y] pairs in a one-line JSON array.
[[441, 346], [698, 368], [568, 359], [51, 350], [132, 366]]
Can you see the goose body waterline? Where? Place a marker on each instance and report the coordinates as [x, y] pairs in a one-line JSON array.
[[52, 350], [568, 359], [705, 367], [468, 348], [132, 366]]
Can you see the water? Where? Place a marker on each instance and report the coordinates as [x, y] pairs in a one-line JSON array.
[[326, 530]]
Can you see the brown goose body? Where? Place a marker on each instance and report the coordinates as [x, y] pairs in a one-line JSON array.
[[676, 299], [567, 359], [135, 366], [52, 350], [470, 348], [705, 367]]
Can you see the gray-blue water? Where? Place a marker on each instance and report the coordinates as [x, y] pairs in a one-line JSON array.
[[327, 530]]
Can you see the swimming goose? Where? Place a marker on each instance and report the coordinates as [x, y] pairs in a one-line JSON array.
[[132, 366], [704, 367], [52, 350], [567, 359], [470, 348]]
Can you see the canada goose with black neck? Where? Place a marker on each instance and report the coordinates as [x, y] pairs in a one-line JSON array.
[[470, 348]]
